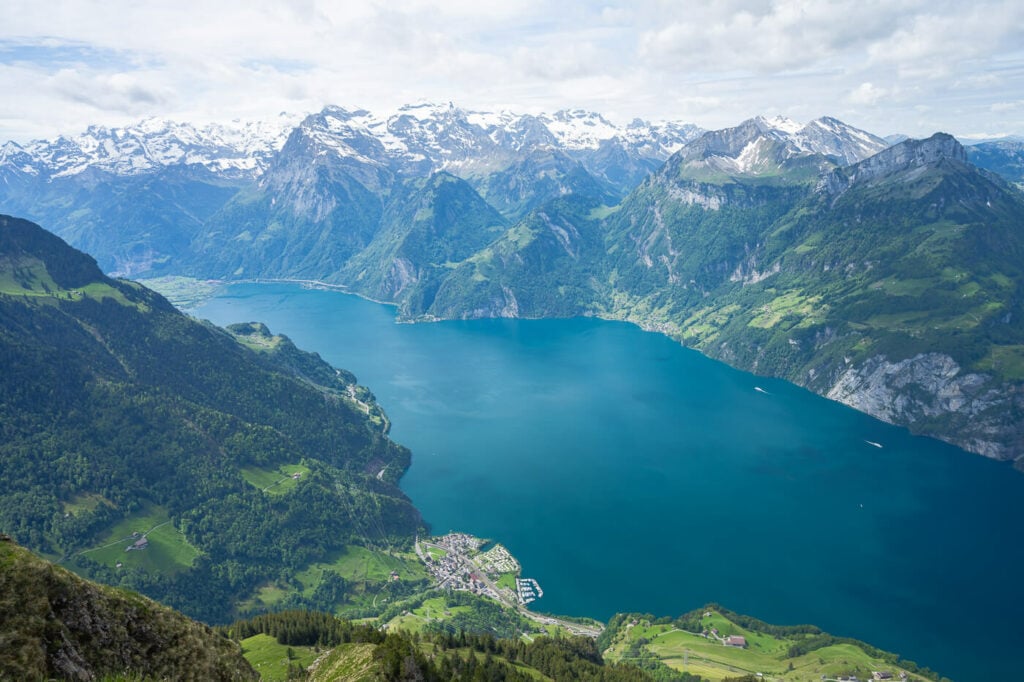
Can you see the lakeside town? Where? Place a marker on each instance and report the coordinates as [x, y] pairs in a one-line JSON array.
[[456, 561]]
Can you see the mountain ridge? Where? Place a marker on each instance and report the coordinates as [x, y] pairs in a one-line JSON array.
[[661, 242], [123, 415]]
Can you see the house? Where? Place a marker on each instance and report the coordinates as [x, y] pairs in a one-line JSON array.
[[882, 675], [737, 641]]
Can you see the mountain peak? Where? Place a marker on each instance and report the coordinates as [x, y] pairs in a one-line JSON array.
[[778, 123], [21, 240], [907, 155]]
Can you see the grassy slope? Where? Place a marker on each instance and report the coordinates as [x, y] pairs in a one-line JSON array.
[[124, 415], [765, 653], [272, 659]]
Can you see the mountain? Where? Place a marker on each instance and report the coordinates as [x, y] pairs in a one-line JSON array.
[[766, 148], [240, 148], [319, 203], [427, 227], [452, 213], [891, 285], [543, 266], [228, 460], [176, 191], [1005, 157], [158, 181], [59, 626]]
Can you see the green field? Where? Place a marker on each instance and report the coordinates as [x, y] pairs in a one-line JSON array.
[[183, 292], [350, 662], [1007, 360], [359, 563], [432, 609], [764, 654], [277, 481], [271, 660], [266, 597], [365, 570], [86, 502], [436, 552], [30, 278], [168, 551]]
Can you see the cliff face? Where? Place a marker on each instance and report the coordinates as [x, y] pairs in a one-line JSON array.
[[57, 625], [901, 158], [930, 389]]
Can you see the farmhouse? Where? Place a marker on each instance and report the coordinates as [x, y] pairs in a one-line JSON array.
[[736, 641], [141, 543]]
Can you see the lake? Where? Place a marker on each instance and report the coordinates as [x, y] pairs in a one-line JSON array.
[[630, 474]]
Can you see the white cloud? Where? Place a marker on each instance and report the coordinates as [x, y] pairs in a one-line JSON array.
[[867, 94], [79, 62]]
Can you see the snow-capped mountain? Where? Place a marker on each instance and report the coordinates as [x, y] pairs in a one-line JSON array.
[[837, 140], [238, 148], [425, 138], [762, 147]]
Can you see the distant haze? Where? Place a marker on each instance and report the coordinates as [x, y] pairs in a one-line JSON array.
[[904, 66]]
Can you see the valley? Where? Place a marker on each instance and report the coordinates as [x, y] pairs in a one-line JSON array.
[[670, 454], [884, 277]]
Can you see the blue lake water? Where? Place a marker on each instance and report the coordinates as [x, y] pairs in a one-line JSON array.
[[630, 474]]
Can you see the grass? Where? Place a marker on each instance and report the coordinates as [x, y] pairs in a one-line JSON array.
[[29, 277], [906, 287], [712, 660], [507, 580], [1006, 361], [705, 323], [791, 303], [602, 212], [168, 551], [276, 482], [266, 597], [270, 659], [259, 343], [85, 503], [358, 563], [350, 662], [182, 292], [434, 609]]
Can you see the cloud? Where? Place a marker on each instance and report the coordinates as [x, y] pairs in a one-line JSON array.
[[712, 63], [867, 94], [1005, 107]]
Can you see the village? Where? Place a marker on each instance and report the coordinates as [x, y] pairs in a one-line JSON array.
[[456, 562]]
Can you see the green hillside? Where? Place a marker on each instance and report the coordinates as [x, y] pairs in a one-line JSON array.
[[716, 644], [892, 285], [57, 626], [132, 435]]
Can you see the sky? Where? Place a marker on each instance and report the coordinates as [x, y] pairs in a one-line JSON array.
[[888, 66]]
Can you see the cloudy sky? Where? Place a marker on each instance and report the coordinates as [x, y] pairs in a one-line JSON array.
[[909, 66]]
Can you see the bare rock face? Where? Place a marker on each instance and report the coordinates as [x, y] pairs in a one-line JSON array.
[[929, 388], [902, 157]]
